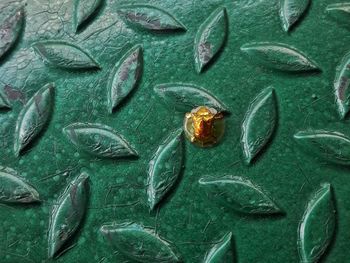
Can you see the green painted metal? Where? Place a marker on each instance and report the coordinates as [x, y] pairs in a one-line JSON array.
[[95, 167]]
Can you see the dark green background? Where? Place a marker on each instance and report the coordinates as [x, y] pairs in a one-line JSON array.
[[118, 188]]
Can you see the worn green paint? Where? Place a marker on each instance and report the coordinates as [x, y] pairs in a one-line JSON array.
[[118, 187]]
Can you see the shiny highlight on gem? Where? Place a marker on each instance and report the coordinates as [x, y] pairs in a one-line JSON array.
[[204, 126]]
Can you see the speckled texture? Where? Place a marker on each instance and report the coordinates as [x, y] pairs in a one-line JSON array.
[[187, 218]]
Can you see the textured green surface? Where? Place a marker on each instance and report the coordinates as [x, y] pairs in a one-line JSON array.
[[39, 45]]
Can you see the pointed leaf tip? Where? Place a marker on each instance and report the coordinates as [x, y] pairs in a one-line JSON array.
[[317, 227], [210, 38], [127, 237], [68, 214], [331, 146], [259, 124], [279, 56], [15, 189], [85, 10], [33, 117], [241, 194], [185, 97], [64, 55], [99, 140], [10, 30], [222, 251], [165, 168], [150, 18], [291, 11], [124, 77], [342, 86]]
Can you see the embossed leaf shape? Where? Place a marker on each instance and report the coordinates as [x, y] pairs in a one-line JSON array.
[[68, 214], [10, 30], [317, 227], [185, 97], [259, 124], [331, 146], [165, 167], [98, 140], [222, 251], [84, 10], [4, 102], [240, 194], [124, 77], [210, 38], [291, 11], [340, 12], [139, 244], [14, 189], [64, 55], [279, 56], [150, 18], [33, 117], [342, 85]]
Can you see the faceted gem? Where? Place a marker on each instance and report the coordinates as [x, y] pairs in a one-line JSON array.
[[204, 126]]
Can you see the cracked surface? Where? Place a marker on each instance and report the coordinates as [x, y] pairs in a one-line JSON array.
[[118, 188]]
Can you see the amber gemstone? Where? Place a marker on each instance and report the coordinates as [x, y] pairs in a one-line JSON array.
[[204, 126]]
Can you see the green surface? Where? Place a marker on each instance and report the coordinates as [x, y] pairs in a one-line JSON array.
[[305, 187]]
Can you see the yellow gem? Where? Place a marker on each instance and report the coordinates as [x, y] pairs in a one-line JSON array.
[[204, 126]]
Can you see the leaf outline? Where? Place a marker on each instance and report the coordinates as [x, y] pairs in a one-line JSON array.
[[10, 31], [33, 117], [83, 14], [291, 12], [161, 22], [179, 95], [68, 214], [23, 192], [291, 60], [312, 141], [264, 101], [244, 190], [321, 199], [206, 48], [64, 55], [164, 252], [220, 250], [341, 86], [95, 132], [168, 159], [130, 63]]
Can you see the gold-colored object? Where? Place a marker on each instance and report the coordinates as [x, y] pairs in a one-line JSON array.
[[204, 126]]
